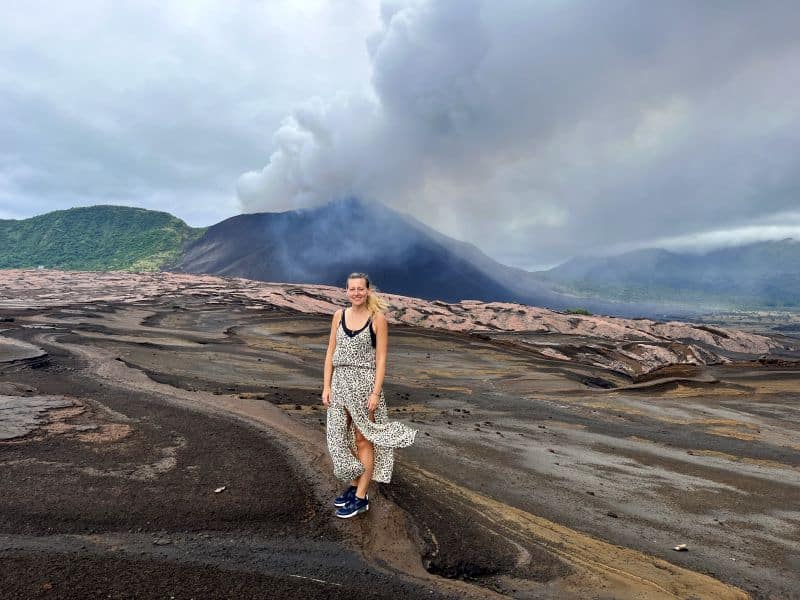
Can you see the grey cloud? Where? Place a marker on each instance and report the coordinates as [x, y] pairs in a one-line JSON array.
[[537, 130], [158, 105], [544, 130]]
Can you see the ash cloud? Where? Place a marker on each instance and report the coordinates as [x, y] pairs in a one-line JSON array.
[[543, 130]]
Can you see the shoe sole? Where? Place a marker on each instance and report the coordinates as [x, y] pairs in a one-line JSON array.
[[354, 513]]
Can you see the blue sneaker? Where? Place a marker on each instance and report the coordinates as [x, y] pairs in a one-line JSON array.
[[356, 506], [345, 497]]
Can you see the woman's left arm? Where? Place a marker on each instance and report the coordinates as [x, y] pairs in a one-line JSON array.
[[381, 345]]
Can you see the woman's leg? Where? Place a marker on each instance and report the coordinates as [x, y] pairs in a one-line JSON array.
[[353, 482], [366, 456]]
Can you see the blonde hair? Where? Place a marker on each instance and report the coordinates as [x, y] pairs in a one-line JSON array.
[[374, 302]]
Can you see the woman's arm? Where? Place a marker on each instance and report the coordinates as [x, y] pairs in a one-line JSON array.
[[326, 382], [381, 345]]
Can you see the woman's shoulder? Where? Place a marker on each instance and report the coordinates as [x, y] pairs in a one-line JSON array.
[[379, 317]]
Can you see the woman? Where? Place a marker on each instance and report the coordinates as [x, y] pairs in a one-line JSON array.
[[361, 440]]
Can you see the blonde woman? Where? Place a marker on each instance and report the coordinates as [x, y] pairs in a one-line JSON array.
[[361, 440]]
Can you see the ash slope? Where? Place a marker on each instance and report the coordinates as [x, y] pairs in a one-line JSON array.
[[323, 245]]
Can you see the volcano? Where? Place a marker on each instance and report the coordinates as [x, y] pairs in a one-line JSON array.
[[324, 244]]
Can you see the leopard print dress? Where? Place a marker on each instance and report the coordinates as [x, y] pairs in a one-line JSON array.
[[353, 380]]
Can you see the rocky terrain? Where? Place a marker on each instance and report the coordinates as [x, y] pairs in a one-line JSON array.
[[153, 426], [629, 346]]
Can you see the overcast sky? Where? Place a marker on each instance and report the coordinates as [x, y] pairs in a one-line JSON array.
[[535, 130]]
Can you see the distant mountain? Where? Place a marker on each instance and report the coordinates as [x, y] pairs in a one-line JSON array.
[[762, 274], [325, 244], [322, 245], [96, 238]]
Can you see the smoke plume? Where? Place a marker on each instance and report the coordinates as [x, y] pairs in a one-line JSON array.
[[541, 130]]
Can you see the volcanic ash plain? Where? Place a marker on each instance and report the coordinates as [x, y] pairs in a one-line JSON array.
[[162, 435]]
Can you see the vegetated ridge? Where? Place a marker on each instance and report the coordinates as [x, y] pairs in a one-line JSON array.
[[95, 238]]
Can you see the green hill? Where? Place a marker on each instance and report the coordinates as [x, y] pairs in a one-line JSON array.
[[95, 238]]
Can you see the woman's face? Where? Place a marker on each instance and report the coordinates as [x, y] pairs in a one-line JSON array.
[[357, 291]]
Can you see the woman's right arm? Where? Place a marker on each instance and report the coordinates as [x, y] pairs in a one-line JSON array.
[[326, 383]]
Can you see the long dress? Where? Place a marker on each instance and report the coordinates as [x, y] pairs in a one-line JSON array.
[[353, 381]]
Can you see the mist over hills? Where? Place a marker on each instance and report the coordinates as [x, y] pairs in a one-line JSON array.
[[762, 274], [404, 256]]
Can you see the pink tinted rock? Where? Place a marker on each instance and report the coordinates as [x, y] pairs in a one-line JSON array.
[[651, 344]]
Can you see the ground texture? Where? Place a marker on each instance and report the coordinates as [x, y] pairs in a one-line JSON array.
[[543, 469]]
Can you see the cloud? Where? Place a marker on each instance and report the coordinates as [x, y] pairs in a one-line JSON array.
[[536, 130], [543, 130], [160, 104], [776, 227]]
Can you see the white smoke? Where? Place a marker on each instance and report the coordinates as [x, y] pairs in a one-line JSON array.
[[539, 130]]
